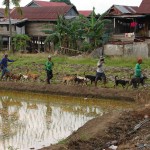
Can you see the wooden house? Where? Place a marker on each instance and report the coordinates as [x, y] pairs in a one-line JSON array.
[[39, 17], [144, 9], [18, 27], [130, 22]]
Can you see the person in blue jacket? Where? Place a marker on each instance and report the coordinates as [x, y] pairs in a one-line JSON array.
[[4, 64]]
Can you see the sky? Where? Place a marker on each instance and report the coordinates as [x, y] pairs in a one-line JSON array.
[[100, 5]]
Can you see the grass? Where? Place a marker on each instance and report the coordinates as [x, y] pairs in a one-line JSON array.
[[72, 65]]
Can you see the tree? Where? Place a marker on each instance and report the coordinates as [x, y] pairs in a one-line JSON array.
[[16, 3], [19, 41], [65, 1]]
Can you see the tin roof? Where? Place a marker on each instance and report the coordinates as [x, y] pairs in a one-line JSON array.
[[85, 13], [42, 13], [144, 7], [120, 9], [13, 21], [46, 4]]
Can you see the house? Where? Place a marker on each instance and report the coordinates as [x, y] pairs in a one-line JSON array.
[[131, 30], [39, 17], [127, 22], [18, 27], [144, 9]]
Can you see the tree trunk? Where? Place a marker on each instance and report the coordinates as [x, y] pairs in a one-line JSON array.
[[10, 29]]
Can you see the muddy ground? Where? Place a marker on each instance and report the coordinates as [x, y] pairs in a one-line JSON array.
[[126, 130]]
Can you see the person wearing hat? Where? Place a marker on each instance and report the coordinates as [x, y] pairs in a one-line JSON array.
[[4, 64], [100, 75], [49, 65], [138, 71]]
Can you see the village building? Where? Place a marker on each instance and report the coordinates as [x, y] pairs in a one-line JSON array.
[[131, 31], [35, 19]]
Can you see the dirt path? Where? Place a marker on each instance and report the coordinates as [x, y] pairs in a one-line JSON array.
[[71, 90]]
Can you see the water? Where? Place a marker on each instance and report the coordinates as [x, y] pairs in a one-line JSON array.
[[30, 120]]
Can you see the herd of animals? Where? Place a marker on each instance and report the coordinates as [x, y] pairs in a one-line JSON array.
[[75, 79], [134, 82]]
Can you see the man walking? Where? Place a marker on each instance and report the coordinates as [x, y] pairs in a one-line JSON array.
[[49, 65], [4, 64]]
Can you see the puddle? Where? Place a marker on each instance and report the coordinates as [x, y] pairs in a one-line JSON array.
[[30, 120]]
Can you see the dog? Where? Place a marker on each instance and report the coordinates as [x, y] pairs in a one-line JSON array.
[[81, 80], [24, 77], [16, 77], [8, 75], [69, 78], [121, 82], [135, 82], [32, 76], [90, 77]]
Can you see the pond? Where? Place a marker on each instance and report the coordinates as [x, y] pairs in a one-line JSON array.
[[33, 121]]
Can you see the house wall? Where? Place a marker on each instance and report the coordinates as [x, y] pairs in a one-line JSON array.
[[4, 29], [35, 28], [20, 30], [131, 50], [71, 12]]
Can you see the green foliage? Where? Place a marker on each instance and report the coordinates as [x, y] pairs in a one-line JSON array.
[[86, 46], [65, 1], [80, 33], [20, 41]]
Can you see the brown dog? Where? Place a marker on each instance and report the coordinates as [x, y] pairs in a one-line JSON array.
[[8, 75], [16, 77], [69, 78]]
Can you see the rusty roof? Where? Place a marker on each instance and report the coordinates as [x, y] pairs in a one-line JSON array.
[[41, 13], [144, 8], [46, 4], [85, 13], [121, 9]]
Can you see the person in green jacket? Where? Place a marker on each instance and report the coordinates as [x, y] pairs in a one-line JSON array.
[[49, 65], [138, 71]]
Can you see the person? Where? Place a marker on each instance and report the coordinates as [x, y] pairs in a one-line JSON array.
[[4, 64], [100, 75], [138, 71], [49, 65]]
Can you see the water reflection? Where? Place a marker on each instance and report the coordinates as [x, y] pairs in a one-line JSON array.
[[34, 120]]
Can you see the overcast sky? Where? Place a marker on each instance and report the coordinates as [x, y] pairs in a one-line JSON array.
[[100, 5]]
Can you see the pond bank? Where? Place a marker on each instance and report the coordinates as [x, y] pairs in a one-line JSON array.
[[96, 133], [72, 90]]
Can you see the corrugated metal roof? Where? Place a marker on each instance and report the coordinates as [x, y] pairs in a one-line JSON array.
[[46, 4], [13, 21], [41, 13], [126, 9], [85, 13], [122, 9], [144, 7]]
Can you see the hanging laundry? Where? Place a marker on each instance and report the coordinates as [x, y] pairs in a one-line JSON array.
[[133, 24]]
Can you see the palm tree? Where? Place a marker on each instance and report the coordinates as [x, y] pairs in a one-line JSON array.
[[7, 3]]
